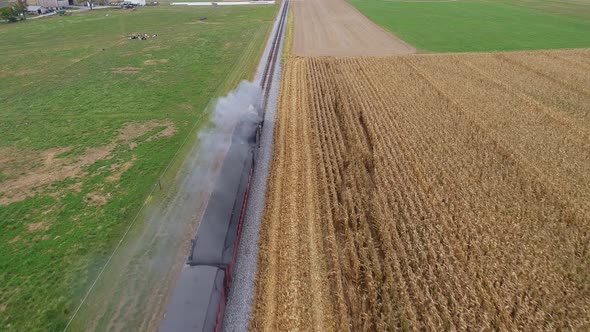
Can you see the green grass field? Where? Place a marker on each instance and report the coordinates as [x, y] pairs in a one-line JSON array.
[[88, 122], [483, 25]]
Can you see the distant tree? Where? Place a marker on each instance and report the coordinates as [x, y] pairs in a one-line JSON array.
[[20, 8], [16, 11], [7, 13]]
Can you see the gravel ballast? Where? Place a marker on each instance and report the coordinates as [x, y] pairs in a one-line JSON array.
[[237, 311]]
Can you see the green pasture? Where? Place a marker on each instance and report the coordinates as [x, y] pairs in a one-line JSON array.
[[483, 25], [73, 82]]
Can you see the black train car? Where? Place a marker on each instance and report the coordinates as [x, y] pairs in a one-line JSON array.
[[198, 300]]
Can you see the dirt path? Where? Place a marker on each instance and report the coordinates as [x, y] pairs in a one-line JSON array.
[[334, 27]]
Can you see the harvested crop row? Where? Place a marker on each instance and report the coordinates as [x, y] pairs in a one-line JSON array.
[[428, 192]]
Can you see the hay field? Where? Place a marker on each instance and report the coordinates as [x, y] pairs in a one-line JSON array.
[[334, 27], [438, 192]]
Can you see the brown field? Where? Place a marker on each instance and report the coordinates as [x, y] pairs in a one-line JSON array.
[[429, 192], [334, 27]]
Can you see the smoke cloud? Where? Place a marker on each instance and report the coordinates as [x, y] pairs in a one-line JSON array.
[[241, 104], [155, 246]]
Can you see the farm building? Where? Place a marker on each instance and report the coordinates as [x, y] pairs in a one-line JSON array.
[[37, 9], [55, 3], [137, 2]]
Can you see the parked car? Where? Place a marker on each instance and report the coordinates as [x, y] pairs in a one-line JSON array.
[[128, 5]]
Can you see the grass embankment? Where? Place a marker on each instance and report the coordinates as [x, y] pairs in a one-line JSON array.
[[89, 120], [288, 39], [461, 26]]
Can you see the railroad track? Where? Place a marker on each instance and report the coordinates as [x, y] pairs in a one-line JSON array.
[[272, 58], [200, 295]]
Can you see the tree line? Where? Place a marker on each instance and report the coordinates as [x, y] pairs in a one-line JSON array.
[[16, 11]]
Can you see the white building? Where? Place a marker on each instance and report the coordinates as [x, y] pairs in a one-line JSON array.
[[55, 3], [36, 9], [136, 2]]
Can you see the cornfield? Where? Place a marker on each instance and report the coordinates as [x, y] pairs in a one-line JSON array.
[[437, 192]]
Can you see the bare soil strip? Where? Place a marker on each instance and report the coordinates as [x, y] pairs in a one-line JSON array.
[[334, 27], [48, 167], [451, 193]]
